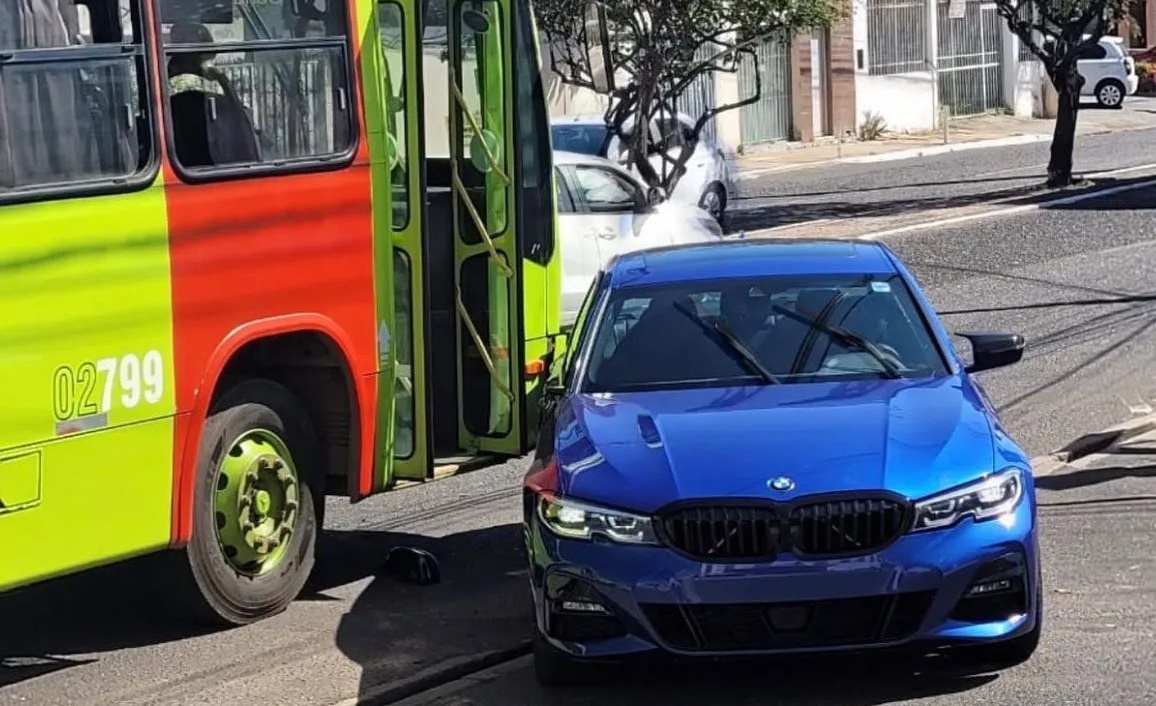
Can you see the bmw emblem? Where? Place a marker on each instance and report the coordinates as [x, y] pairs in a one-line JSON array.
[[782, 484]]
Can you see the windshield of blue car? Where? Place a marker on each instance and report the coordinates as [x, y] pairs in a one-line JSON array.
[[800, 330], [579, 138]]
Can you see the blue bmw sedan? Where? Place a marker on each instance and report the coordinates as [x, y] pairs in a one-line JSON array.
[[764, 446]]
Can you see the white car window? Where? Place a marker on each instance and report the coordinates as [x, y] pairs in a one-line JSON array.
[[605, 191], [561, 193], [1094, 52]]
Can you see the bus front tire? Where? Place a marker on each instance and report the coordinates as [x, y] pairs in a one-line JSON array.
[[262, 424]]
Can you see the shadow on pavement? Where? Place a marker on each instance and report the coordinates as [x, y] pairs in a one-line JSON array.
[[391, 630], [1096, 475], [59, 624], [825, 681], [394, 629], [787, 210], [886, 187]]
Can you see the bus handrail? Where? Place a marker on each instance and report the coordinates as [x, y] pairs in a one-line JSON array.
[[464, 197], [482, 349], [491, 158]]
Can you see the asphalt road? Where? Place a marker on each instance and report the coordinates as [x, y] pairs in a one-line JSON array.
[[1056, 276], [952, 180], [1099, 625]]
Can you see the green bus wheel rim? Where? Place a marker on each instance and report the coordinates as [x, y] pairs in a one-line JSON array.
[[256, 502]]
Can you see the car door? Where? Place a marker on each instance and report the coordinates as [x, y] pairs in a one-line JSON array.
[[580, 260], [612, 201], [1094, 65]]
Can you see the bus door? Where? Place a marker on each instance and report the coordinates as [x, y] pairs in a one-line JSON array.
[[490, 348], [393, 118]]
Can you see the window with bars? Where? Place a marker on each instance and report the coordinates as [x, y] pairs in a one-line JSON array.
[[1026, 11], [896, 36]]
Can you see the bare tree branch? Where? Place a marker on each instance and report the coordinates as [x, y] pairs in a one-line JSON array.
[[657, 48], [1056, 32]]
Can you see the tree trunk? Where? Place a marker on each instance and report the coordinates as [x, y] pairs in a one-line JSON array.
[[1068, 83]]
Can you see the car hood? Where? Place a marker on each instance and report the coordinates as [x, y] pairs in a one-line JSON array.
[[643, 450], [676, 223]]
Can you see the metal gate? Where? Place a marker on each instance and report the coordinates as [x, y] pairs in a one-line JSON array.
[[969, 67], [769, 118], [699, 95]]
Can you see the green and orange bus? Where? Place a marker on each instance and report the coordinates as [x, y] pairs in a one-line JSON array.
[[257, 252]]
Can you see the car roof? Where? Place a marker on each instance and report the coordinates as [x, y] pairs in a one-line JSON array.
[[578, 119], [734, 258], [564, 157]]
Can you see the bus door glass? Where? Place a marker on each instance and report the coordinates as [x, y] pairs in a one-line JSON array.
[[397, 232], [490, 340]]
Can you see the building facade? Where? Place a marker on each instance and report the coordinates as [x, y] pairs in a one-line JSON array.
[[918, 62], [807, 92]]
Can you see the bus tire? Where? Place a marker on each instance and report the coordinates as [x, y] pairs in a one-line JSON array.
[[255, 520]]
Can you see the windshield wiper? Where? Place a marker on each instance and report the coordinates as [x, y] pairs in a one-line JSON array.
[[722, 334], [846, 337]]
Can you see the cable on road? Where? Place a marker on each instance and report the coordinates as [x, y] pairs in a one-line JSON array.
[[1127, 299]]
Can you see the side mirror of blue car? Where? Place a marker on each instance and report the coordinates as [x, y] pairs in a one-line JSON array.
[[993, 350]]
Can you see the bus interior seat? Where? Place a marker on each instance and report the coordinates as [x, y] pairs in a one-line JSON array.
[[211, 129]]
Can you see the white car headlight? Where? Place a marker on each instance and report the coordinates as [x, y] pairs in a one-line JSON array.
[[576, 520], [994, 496]]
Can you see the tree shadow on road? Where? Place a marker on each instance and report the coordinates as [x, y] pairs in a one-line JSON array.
[[787, 209], [1112, 319]]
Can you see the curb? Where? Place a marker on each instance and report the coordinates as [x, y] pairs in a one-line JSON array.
[[1093, 443], [437, 675], [986, 210], [1103, 440], [930, 151], [933, 150]]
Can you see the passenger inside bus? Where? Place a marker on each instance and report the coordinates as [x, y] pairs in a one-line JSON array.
[[211, 125], [70, 115]]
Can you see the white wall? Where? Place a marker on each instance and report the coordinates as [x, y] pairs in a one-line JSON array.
[[1027, 101], [909, 102], [906, 101]]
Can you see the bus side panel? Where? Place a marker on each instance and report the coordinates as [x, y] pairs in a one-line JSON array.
[[253, 249], [86, 419]]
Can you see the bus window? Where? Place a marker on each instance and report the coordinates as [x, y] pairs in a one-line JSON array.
[[482, 113], [235, 102], [393, 47], [404, 407], [74, 114], [533, 128]]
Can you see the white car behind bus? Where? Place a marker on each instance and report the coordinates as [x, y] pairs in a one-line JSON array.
[[708, 182], [604, 210]]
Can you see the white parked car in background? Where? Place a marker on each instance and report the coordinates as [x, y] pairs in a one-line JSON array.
[[708, 182], [1109, 72], [604, 210]]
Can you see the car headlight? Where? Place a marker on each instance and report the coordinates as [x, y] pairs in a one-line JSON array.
[[996, 495], [577, 520]]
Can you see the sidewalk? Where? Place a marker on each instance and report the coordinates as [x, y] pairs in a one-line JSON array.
[[963, 133], [1122, 470]]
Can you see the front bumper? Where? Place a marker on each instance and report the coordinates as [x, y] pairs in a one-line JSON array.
[[602, 600]]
